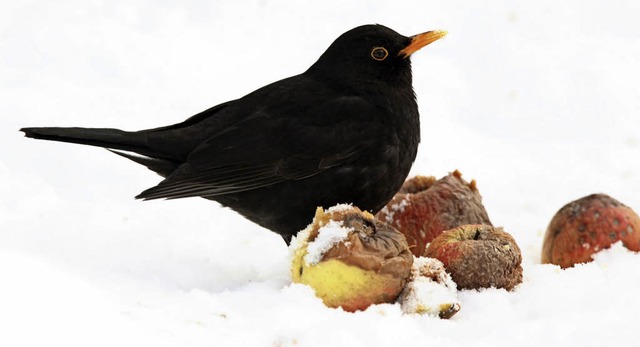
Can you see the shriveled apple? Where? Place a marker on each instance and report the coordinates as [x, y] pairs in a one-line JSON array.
[[350, 259], [479, 256]]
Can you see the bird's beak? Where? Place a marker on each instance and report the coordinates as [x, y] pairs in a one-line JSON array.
[[421, 40]]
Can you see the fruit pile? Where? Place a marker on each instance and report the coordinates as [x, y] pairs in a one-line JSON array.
[[353, 260], [434, 238]]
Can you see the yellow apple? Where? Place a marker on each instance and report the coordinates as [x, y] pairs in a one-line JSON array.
[[350, 259]]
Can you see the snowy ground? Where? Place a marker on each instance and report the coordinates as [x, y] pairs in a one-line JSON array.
[[537, 101]]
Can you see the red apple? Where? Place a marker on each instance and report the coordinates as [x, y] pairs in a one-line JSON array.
[[585, 226], [425, 207], [478, 256]]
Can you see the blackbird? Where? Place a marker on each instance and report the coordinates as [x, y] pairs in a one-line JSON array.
[[344, 131]]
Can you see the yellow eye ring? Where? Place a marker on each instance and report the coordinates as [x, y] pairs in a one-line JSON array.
[[379, 53]]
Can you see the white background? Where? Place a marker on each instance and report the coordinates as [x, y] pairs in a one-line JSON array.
[[538, 101]]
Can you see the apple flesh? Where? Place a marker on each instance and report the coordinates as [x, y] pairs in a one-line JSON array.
[[479, 256], [587, 225], [425, 207], [350, 259]]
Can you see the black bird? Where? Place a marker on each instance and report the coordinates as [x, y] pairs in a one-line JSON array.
[[344, 131]]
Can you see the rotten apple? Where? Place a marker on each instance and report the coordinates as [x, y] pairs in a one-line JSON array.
[[479, 256], [350, 259], [587, 225]]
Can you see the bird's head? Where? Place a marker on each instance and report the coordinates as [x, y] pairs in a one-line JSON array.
[[371, 54]]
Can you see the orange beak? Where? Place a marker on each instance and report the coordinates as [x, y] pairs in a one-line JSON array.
[[421, 40]]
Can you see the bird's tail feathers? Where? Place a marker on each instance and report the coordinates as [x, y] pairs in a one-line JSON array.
[[107, 138]]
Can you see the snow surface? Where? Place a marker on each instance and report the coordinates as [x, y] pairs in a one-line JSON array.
[[538, 101]]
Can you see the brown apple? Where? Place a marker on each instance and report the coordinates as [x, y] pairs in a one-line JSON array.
[[587, 225], [478, 256]]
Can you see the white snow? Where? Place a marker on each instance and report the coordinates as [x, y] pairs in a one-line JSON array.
[[329, 235], [340, 208], [430, 288], [538, 101]]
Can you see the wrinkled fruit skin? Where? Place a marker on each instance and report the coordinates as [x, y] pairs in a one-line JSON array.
[[424, 208], [371, 266], [587, 225], [479, 256]]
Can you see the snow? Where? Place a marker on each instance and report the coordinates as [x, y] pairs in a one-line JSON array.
[[537, 101], [340, 208], [329, 235], [430, 289]]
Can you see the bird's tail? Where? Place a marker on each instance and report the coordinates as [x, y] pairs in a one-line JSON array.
[[161, 159], [107, 138]]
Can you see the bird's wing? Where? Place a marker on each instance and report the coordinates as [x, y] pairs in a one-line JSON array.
[[268, 147]]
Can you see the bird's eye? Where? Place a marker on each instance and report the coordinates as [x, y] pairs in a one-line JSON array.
[[379, 53]]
